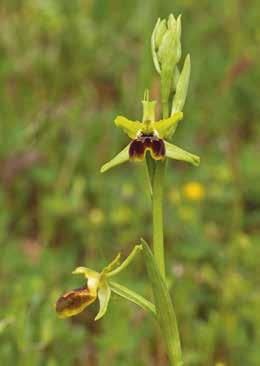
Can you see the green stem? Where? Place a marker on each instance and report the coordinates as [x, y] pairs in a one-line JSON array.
[[158, 242]]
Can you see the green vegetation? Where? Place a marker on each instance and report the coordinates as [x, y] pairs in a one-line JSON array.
[[66, 69]]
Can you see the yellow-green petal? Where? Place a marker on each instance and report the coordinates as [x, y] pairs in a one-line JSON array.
[[175, 152], [104, 294], [120, 158], [131, 128], [87, 272], [164, 127], [112, 265]]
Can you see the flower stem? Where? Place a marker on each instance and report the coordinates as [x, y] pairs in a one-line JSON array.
[[158, 241], [157, 183]]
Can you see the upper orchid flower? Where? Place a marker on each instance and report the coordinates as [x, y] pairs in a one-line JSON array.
[[149, 135]]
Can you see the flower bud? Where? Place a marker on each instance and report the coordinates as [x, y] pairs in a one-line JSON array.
[[166, 51], [166, 43]]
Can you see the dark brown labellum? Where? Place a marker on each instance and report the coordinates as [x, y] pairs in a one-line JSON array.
[[141, 144], [74, 301]]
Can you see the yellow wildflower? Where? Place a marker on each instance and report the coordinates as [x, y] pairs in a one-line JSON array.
[[194, 191]]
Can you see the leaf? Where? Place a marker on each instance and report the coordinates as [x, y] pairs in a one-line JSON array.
[[120, 158], [164, 308], [175, 152], [132, 296]]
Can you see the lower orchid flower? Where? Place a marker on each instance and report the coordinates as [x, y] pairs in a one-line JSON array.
[[97, 287]]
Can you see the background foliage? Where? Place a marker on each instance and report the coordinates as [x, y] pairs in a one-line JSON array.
[[67, 68]]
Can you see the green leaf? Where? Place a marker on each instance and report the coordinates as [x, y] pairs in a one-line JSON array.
[[120, 158], [164, 308], [175, 152], [132, 296]]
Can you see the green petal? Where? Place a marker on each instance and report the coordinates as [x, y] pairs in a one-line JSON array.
[[131, 128], [114, 268], [175, 152], [120, 158], [165, 126], [104, 294], [112, 265]]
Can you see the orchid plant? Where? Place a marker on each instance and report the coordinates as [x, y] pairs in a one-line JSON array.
[[150, 142]]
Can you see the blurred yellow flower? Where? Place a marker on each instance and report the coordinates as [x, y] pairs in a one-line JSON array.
[[186, 214], [121, 215], [96, 216], [194, 191], [220, 364], [127, 190], [174, 196]]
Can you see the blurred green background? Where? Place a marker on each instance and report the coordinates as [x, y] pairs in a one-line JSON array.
[[67, 68]]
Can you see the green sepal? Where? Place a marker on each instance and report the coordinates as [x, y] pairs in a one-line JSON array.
[[164, 308], [104, 294], [120, 158], [176, 153], [155, 45], [182, 87], [132, 296]]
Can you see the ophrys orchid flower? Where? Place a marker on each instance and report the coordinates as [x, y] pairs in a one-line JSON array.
[[150, 136], [97, 287]]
